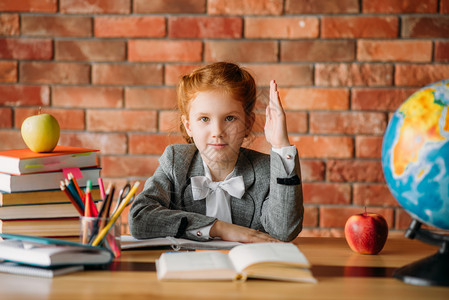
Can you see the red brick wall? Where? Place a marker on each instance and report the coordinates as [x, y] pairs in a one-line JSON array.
[[106, 69]]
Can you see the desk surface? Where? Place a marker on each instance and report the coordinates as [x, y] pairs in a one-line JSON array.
[[341, 274]]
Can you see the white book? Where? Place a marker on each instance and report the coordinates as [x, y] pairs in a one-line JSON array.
[[274, 261], [43, 181], [14, 268]]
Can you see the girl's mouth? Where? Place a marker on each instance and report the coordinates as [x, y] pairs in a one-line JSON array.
[[217, 146]]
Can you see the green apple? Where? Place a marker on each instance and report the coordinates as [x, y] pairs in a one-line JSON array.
[[40, 132]]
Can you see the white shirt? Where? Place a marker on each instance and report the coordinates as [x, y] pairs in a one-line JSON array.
[[287, 155]]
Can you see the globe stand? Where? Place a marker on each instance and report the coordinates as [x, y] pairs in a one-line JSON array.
[[432, 270]]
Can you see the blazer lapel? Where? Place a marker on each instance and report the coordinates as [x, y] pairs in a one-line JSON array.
[[243, 209], [195, 169]]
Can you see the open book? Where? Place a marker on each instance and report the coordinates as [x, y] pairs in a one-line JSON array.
[[129, 242], [276, 261], [48, 252]]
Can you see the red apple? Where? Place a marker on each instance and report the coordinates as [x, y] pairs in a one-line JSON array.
[[366, 233]]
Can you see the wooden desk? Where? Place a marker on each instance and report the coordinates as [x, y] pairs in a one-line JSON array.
[[341, 273]]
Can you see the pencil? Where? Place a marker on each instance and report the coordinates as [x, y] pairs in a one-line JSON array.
[[116, 214], [75, 195], [75, 183], [66, 191], [100, 183]]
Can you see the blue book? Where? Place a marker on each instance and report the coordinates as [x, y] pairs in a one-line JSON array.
[[49, 252]]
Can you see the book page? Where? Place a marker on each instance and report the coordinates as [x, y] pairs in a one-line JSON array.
[[209, 265], [250, 254]]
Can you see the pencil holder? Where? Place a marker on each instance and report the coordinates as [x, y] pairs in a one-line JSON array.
[[90, 227]]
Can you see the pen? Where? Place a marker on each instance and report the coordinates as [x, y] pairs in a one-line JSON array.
[[116, 215]]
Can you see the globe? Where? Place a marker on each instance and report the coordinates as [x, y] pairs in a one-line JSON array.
[[415, 155]]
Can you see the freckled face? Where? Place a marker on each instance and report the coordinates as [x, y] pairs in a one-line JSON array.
[[216, 122]]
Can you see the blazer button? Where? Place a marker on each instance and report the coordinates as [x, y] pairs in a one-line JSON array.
[[198, 233], [288, 156]]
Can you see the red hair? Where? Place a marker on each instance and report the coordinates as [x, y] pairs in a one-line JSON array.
[[222, 76]]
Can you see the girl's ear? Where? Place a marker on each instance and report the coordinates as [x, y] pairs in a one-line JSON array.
[[186, 124]]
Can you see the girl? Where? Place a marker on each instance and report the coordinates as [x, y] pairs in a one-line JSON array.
[[212, 187]]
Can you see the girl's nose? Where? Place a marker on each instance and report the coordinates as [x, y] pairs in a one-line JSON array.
[[218, 130]]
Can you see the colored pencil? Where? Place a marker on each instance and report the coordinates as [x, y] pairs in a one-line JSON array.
[[69, 195]]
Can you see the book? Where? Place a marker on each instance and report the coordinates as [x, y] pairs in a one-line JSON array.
[[55, 227], [39, 197], [129, 242], [275, 261], [24, 161], [43, 181], [39, 211], [19, 269], [48, 252]]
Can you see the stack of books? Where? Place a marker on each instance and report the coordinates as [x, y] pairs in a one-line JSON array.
[[31, 201]]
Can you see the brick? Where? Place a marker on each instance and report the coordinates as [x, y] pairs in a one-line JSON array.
[[152, 143], [174, 72], [347, 123], [205, 27], [8, 71], [150, 98], [248, 7], [170, 6], [241, 51], [321, 6], [24, 95], [52, 72], [107, 143], [123, 166], [129, 26], [419, 75], [169, 121], [333, 216], [281, 27], [296, 122], [13, 48], [354, 171], [400, 6], [359, 27], [11, 139], [326, 193], [127, 74], [9, 24], [394, 51], [310, 216], [312, 170], [379, 99], [353, 75], [444, 6], [68, 119], [373, 195], [121, 120], [368, 146], [165, 50], [29, 6], [56, 26], [323, 146], [87, 96], [316, 51], [95, 7], [314, 98], [6, 117], [425, 27], [90, 50], [441, 51], [285, 75]]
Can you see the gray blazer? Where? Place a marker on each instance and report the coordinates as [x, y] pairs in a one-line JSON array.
[[272, 201]]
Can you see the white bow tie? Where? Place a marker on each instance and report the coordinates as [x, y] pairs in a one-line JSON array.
[[203, 186]]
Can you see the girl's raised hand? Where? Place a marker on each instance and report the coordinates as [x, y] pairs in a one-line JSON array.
[[275, 123]]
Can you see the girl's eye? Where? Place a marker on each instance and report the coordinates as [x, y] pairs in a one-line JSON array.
[[230, 118], [204, 119]]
